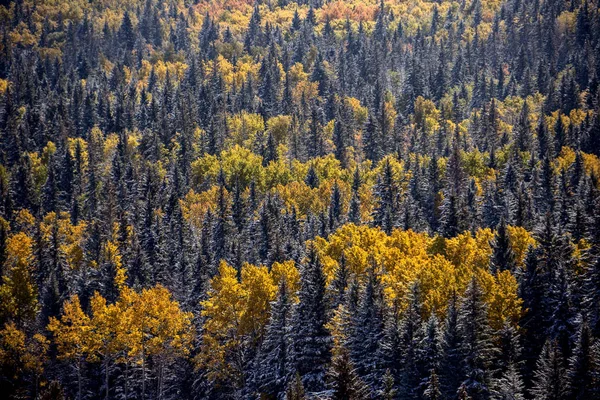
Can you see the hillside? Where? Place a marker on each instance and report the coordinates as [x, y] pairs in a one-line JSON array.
[[272, 199]]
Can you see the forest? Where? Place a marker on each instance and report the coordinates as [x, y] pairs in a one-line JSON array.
[[300, 200]]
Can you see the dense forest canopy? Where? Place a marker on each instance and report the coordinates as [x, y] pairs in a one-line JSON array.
[[277, 199]]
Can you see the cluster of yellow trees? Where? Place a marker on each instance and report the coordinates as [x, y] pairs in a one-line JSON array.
[[139, 326], [136, 328], [443, 267], [237, 309]]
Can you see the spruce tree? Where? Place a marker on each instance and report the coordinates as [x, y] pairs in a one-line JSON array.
[[295, 389], [311, 339], [583, 373], [411, 336], [503, 256], [388, 391], [477, 348], [509, 386], [432, 391], [273, 358], [385, 214], [367, 329], [344, 380], [550, 382], [451, 371]]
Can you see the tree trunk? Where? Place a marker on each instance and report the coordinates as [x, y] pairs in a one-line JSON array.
[[143, 375], [106, 363], [79, 383]]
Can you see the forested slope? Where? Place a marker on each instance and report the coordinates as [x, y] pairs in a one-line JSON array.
[[315, 199]]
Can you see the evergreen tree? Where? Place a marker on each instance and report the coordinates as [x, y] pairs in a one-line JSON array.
[[432, 392], [344, 380], [477, 347], [510, 385], [367, 330], [450, 363], [311, 340], [503, 257], [550, 381], [386, 190], [388, 392], [273, 358], [583, 373], [295, 389], [411, 335]]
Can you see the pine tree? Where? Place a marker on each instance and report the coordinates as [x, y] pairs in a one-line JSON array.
[[477, 347], [339, 284], [385, 214], [432, 391], [560, 304], [509, 348], [367, 329], [221, 225], [391, 346], [273, 357], [372, 140], [127, 34], [411, 335], [592, 294], [550, 381], [503, 257], [344, 380], [510, 385], [314, 144], [450, 364], [335, 208], [388, 391], [431, 352], [523, 130], [312, 179], [295, 389], [311, 340], [583, 374], [354, 214]]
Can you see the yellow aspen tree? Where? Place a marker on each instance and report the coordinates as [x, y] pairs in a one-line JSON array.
[[503, 300], [18, 293], [166, 331], [128, 334], [223, 311], [71, 334], [260, 290], [103, 342], [236, 316], [22, 354]]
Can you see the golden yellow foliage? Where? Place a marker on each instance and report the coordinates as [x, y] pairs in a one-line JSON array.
[[426, 115], [238, 311], [137, 326], [441, 266], [3, 85], [504, 305], [57, 228], [110, 254], [21, 354], [18, 294], [520, 240], [243, 128], [278, 127], [286, 270], [72, 332]]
